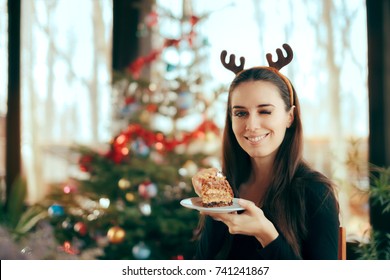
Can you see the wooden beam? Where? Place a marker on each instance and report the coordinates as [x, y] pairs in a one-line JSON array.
[[378, 31], [13, 150], [128, 44], [126, 16]]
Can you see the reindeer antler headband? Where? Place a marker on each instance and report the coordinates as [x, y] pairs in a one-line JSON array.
[[273, 66]]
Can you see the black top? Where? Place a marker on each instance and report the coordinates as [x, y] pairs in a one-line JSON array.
[[321, 241]]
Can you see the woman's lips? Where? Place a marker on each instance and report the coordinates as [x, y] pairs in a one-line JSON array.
[[256, 139]]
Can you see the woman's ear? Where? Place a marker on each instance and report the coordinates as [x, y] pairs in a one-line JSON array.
[[290, 119]]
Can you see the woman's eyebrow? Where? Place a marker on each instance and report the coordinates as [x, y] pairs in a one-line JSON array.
[[258, 106]]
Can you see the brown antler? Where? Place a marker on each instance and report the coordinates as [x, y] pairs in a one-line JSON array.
[[232, 66], [282, 60]]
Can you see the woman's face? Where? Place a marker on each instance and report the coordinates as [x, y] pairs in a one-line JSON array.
[[259, 118]]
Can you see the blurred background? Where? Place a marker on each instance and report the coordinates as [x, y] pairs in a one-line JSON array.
[[122, 101]]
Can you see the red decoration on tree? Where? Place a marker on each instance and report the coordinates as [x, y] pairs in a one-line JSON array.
[[135, 68], [80, 228], [85, 163], [120, 146], [194, 20]]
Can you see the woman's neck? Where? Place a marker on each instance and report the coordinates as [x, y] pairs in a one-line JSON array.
[[261, 172], [258, 182]]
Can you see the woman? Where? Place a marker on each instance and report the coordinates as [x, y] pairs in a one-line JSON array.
[[291, 211]]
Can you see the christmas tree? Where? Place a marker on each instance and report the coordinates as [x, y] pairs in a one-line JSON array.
[[127, 203]]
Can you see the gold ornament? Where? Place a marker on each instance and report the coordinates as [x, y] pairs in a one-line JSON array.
[[130, 197], [124, 184], [116, 235]]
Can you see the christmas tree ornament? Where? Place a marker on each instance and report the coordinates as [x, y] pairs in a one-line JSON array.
[[104, 202], [141, 251], [116, 235], [124, 184], [56, 210], [145, 208], [80, 228], [69, 188], [130, 197], [147, 190]]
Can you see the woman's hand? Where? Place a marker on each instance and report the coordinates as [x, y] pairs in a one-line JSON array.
[[251, 222], [197, 181]]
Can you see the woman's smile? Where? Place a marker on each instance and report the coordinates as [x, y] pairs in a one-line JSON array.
[[254, 140]]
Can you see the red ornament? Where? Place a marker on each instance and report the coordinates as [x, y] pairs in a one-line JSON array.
[[152, 108], [129, 100], [80, 228], [69, 188], [147, 190]]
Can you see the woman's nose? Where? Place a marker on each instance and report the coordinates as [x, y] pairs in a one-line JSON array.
[[252, 123]]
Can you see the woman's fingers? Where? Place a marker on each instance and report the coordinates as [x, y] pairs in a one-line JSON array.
[[247, 205]]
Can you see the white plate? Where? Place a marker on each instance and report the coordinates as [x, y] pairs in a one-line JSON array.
[[196, 203]]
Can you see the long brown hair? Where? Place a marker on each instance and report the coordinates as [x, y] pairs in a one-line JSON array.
[[287, 210]]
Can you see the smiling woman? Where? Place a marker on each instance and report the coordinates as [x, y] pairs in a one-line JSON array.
[[290, 209]]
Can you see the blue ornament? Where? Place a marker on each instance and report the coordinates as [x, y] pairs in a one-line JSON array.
[[56, 210], [141, 251], [140, 148]]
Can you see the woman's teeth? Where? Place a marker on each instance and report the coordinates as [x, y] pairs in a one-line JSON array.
[[257, 138]]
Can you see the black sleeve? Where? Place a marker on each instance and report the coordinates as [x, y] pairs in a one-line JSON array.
[[279, 249], [323, 224]]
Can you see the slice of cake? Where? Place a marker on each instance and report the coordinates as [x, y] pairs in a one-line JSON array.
[[216, 191]]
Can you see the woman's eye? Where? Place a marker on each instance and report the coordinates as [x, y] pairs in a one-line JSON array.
[[265, 112], [239, 114]]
